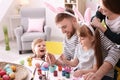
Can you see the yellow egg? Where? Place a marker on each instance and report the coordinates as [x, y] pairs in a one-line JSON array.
[[13, 68]]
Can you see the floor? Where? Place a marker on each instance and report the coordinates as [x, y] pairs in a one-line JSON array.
[[11, 55]]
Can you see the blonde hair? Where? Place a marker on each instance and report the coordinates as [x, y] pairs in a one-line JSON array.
[[36, 41]]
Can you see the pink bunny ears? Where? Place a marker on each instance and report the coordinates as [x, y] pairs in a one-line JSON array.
[[58, 9], [84, 20]]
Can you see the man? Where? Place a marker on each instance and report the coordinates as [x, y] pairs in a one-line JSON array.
[[67, 22]]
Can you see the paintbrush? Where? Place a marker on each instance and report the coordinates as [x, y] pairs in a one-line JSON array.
[[33, 75]]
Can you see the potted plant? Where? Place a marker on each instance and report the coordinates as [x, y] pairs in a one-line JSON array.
[[6, 37]]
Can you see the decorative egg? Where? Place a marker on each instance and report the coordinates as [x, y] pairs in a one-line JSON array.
[[2, 72], [12, 75], [6, 77], [13, 68], [7, 66], [45, 65]]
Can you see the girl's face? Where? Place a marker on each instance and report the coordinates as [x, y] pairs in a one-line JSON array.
[[104, 10], [86, 41], [40, 48]]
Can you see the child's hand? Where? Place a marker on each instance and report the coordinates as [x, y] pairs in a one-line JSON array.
[[78, 73], [37, 65], [50, 59]]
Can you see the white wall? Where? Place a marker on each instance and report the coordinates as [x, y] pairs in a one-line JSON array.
[[6, 6]]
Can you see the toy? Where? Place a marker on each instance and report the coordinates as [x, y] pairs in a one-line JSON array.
[[67, 68], [22, 62], [29, 60], [52, 68], [6, 77], [59, 68], [2, 72], [13, 68], [67, 75], [12, 75], [8, 69], [55, 74]]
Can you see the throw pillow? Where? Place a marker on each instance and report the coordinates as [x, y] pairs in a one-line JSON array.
[[35, 25]]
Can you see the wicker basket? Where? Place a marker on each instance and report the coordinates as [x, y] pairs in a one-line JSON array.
[[21, 72]]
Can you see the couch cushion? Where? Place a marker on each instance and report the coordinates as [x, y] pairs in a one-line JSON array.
[[35, 25], [31, 36]]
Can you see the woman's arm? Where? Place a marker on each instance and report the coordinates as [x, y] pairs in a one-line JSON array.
[[114, 37]]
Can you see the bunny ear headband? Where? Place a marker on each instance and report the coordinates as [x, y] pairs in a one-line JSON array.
[[86, 19], [83, 20], [58, 9]]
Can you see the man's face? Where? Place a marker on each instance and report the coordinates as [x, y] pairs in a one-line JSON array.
[[67, 27]]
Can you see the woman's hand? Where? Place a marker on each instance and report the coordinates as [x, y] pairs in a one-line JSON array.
[[96, 22]]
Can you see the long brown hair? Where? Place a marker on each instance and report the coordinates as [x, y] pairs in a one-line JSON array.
[[112, 5], [84, 31]]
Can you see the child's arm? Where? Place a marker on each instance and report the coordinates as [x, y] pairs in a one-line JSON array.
[[50, 59], [79, 73]]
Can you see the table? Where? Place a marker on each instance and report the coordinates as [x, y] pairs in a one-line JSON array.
[[50, 74]]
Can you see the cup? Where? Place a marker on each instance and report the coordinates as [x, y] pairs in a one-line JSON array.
[[52, 68], [59, 68]]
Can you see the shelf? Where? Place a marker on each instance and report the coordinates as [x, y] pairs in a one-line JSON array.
[[71, 3]]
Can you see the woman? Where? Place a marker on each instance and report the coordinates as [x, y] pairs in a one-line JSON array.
[[111, 51]]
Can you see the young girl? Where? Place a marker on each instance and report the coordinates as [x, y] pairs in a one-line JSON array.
[[88, 57], [40, 53]]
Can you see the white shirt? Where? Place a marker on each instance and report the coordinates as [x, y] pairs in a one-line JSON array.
[[86, 58], [114, 25]]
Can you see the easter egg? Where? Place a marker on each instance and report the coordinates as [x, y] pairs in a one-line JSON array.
[[7, 66], [1, 78], [6, 77], [22, 62], [12, 75], [13, 68], [2, 72], [45, 65], [0, 69]]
